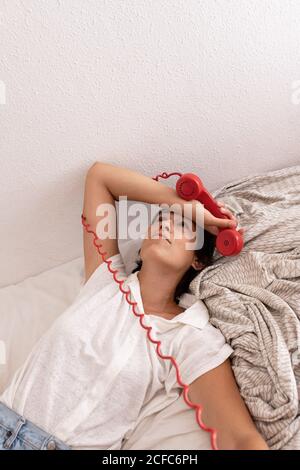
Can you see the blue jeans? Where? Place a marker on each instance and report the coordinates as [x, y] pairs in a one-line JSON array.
[[18, 433]]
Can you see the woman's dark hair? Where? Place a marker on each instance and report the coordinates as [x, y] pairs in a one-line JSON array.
[[204, 255]]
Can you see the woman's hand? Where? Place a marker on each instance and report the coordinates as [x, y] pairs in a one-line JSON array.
[[212, 224], [121, 181]]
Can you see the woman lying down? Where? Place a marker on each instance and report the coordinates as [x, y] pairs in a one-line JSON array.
[[94, 373]]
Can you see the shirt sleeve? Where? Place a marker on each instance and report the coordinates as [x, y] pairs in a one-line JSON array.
[[102, 277], [200, 351]]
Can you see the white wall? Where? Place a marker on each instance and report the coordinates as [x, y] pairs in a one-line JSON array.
[[154, 85]]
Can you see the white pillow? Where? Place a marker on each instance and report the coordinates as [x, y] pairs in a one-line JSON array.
[[27, 310]]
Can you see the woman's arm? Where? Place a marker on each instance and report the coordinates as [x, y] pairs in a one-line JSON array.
[[138, 187], [95, 195], [105, 183], [225, 410]]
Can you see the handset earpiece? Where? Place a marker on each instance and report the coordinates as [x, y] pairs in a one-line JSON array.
[[189, 186]]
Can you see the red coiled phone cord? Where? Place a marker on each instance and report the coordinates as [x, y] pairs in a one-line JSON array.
[[198, 408]]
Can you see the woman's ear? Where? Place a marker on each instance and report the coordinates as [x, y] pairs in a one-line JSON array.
[[196, 264]]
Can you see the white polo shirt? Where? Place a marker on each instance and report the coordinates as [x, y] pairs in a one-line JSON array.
[[94, 374]]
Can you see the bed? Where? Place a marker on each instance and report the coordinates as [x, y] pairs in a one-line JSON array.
[[31, 306]]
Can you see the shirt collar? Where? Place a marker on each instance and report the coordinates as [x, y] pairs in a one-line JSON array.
[[196, 314]]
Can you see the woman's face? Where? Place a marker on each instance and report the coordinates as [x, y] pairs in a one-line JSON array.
[[168, 239]]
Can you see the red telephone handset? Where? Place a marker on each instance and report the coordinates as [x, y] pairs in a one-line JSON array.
[[189, 186]]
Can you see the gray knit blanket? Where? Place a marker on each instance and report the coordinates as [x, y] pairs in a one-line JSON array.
[[254, 299]]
